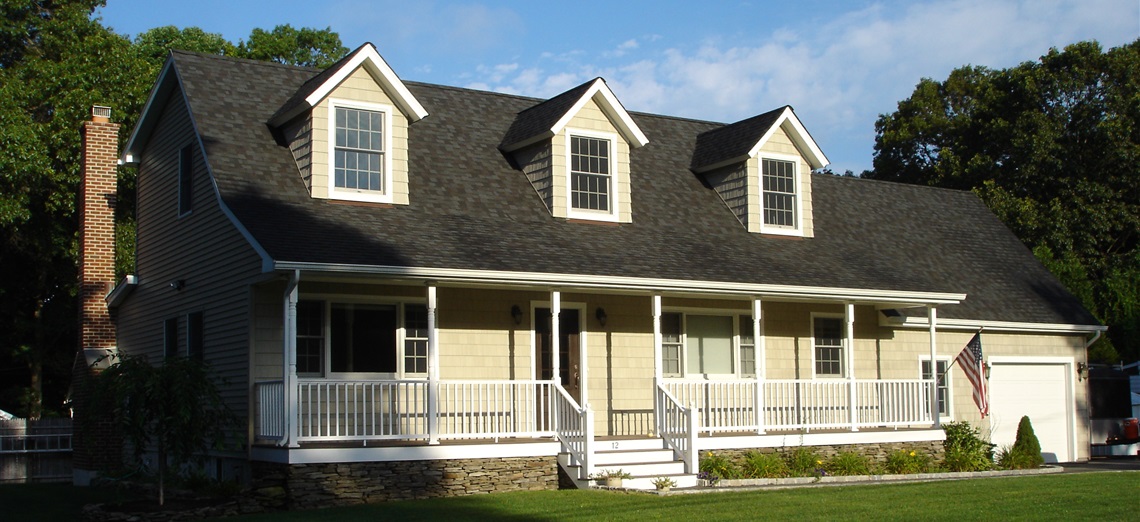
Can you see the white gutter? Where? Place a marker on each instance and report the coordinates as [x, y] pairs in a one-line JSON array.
[[649, 285], [1096, 336], [1002, 326]]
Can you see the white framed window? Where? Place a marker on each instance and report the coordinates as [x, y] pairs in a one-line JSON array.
[[828, 344], [780, 195], [944, 396], [360, 145], [591, 177], [706, 343], [349, 338]]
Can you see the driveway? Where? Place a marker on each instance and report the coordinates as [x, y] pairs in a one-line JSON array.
[[1103, 464]]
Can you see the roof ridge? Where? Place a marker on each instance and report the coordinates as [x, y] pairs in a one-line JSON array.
[[249, 61], [860, 179]]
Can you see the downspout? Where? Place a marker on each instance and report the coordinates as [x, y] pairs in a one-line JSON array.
[[290, 366], [1095, 338]]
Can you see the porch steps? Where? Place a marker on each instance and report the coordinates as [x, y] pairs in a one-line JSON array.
[[645, 459]]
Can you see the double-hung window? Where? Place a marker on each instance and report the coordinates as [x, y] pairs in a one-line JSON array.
[[747, 347], [943, 384], [779, 198], [671, 344], [360, 338], [360, 139], [827, 346], [591, 174], [704, 345]]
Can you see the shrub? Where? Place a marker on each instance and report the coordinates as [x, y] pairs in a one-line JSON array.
[[850, 463], [804, 462], [965, 450], [1026, 450], [903, 462], [719, 466], [764, 465]]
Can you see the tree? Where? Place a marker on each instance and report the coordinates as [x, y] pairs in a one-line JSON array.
[[56, 61], [174, 408], [305, 46], [1051, 146]]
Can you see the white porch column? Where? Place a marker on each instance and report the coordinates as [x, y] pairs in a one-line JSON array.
[[555, 335], [849, 334], [289, 382], [433, 368], [932, 313], [758, 366], [657, 371]]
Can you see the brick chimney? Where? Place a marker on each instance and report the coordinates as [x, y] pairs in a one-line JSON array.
[[96, 444], [97, 186]]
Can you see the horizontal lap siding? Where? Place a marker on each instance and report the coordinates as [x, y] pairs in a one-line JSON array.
[[203, 249]]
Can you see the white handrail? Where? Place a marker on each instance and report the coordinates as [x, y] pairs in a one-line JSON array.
[[574, 428], [677, 426]]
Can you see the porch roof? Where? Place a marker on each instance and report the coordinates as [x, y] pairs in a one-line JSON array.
[[470, 210]]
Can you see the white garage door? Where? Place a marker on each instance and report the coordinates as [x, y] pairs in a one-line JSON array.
[[1040, 391]]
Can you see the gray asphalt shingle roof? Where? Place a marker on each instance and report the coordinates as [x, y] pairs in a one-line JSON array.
[[471, 210]]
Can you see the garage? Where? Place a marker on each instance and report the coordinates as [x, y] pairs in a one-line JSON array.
[[1041, 389]]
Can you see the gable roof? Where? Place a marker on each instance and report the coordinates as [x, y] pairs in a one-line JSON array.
[[742, 140], [472, 214], [548, 118], [318, 87]]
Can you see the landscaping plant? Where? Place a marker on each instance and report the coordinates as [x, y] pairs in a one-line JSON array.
[[850, 463], [765, 465], [1026, 450], [903, 462], [719, 466], [965, 450], [804, 462]]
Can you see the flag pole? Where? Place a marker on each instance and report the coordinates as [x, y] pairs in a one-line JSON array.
[[955, 360]]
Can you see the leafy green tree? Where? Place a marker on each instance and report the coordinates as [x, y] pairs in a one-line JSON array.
[[173, 409], [1051, 146], [284, 44]]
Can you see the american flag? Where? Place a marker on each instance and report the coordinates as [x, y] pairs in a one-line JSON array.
[[971, 362]]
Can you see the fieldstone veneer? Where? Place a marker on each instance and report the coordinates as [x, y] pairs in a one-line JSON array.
[[876, 452], [318, 485]]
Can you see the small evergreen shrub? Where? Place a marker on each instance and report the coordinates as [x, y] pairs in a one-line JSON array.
[[804, 462], [903, 462], [764, 465], [719, 466], [1026, 450], [849, 463], [965, 450]]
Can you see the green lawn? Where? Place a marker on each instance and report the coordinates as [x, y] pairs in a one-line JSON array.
[[1087, 496]]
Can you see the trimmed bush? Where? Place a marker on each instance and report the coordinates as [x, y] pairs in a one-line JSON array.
[[765, 465], [965, 450], [1026, 450]]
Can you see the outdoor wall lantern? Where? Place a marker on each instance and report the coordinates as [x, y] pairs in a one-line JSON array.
[[1082, 371], [600, 313], [986, 369], [516, 314], [178, 284]]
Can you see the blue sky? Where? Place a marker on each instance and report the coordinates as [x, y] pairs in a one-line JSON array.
[[839, 63]]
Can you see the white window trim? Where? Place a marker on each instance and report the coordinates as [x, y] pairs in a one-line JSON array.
[[398, 302], [797, 182], [615, 195], [949, 415], [353, 194], [843, 342], [738, 371]]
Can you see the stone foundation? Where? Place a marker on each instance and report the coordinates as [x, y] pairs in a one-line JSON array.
[[300, 486], [875, 451]]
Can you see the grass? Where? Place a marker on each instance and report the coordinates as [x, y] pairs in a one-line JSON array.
[[1105, 496]]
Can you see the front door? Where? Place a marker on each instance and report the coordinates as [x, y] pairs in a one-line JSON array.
[[568, 348]]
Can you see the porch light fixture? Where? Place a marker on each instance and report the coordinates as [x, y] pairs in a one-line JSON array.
[[516, 314], [178, 284], [600, 313], [986, 369], [1082, 371]]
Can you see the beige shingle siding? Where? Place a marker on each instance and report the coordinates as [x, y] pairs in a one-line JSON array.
[[535, 161], [591, 118], [202, 248], [360, 87], [780, 143], [299, 135], [732, 184]]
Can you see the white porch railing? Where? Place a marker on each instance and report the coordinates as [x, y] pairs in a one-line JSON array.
[[677, 426], [804, 404], [270, 409], [361, 410], [493, 409], [574, 428]]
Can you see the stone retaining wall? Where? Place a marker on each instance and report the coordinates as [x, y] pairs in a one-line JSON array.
[[876, 452], [317, 485]]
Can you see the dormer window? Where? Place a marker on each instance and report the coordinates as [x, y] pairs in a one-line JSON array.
[[361, 166], [779, 185], [591, 174], [359, 150]]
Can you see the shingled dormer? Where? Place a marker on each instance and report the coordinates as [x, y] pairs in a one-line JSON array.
[[348, 130], [574, 149], [761, 168]]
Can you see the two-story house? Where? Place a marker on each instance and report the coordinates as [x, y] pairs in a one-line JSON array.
[[472, 291]]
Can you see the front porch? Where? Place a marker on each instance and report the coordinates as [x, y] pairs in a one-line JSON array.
[[361, 420]]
